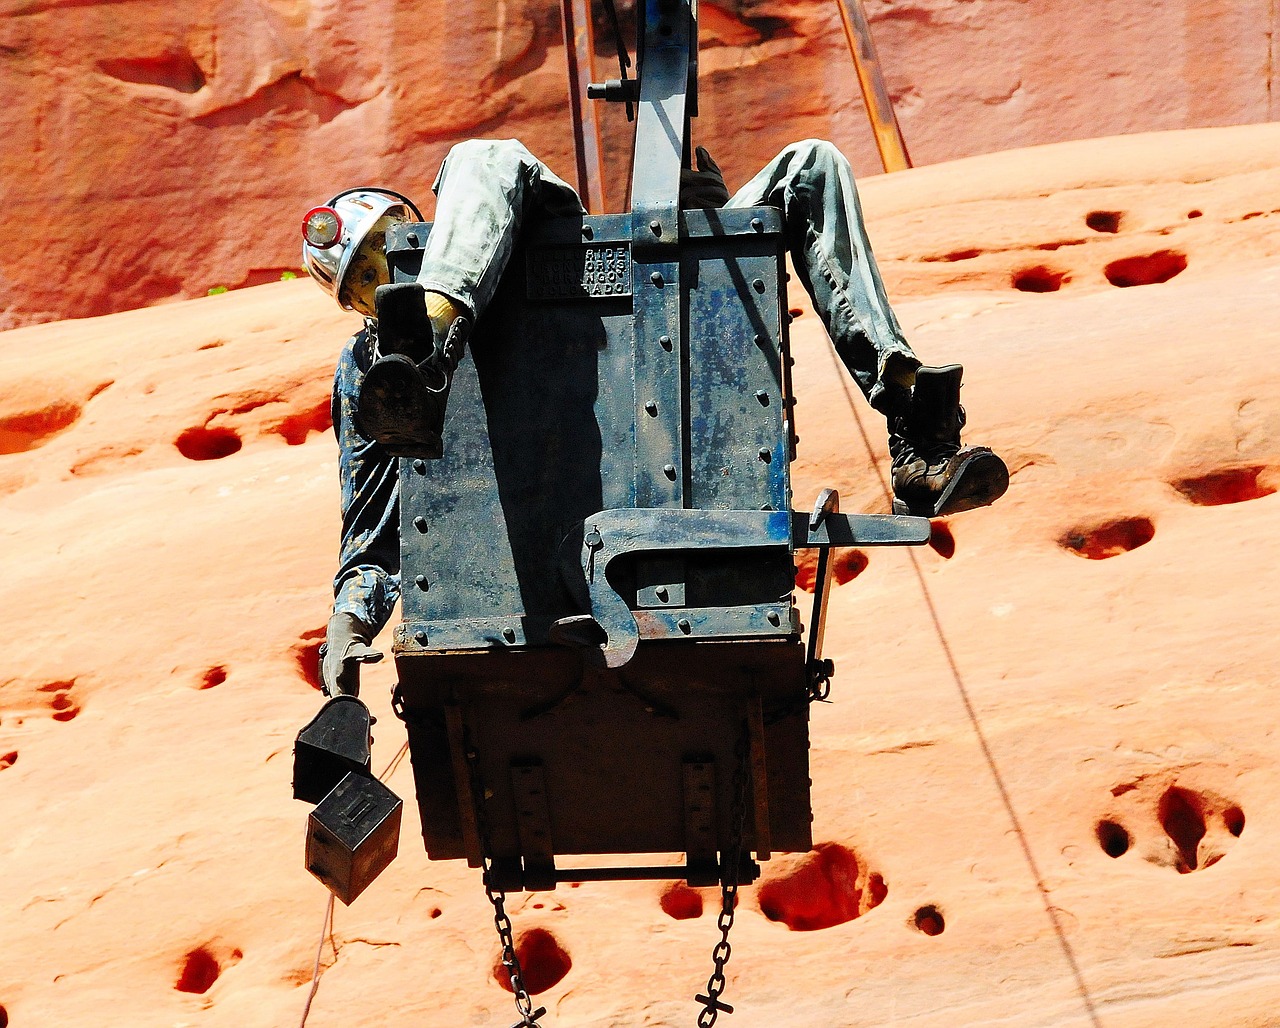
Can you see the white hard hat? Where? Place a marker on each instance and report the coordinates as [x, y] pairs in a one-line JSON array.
[[344, 243]]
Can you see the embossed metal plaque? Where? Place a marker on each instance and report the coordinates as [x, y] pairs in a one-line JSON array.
[[583, 272]]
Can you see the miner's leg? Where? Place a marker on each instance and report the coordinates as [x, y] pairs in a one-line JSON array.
[[812, 184], [486, 189]]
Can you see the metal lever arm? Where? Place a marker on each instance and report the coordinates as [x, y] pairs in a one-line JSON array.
[[613, 533]]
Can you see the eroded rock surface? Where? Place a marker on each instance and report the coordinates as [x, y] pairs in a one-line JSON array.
[[1061, 816]]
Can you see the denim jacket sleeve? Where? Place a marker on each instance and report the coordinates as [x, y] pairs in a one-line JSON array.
[[367, 583]]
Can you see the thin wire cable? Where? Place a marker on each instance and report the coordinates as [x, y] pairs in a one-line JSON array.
[[1050, 910], [326, 928], [315, 971]]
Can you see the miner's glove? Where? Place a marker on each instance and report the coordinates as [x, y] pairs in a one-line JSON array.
[[346, 647], [703, 189]]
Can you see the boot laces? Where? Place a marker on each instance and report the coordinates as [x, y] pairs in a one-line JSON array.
[[905, 446]]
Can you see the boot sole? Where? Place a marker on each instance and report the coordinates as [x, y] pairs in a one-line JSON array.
[[980, 480], [396, 409]]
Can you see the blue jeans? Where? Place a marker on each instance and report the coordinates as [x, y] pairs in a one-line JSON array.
[[486, 189]]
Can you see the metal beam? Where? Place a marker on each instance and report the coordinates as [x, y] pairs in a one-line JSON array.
[[579, 49]]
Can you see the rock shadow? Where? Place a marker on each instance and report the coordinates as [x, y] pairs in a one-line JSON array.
[[306, 652]]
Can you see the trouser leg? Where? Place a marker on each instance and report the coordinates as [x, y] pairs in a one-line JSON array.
[[487, 189], [812, 183]]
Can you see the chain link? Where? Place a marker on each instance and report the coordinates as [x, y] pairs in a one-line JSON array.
[[730, 870], [501, 921]]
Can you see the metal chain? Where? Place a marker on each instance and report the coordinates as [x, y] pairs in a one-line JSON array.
[[730, 870], [501, 921]]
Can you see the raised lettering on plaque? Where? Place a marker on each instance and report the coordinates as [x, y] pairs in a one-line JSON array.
[[583, 272]]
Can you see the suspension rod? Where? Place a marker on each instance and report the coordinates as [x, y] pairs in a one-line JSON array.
[[884, 122]]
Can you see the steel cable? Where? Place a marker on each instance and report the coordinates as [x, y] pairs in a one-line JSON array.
[[972, 714]]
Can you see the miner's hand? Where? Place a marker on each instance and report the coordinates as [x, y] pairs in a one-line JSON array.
[[346, 647], [702, 189]]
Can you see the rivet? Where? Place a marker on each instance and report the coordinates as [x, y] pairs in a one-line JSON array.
[[666, 343], [421, 638], [763, 397], [670, 471], [764, 454], [422, 583], [684, 626], [651, 409], [758, 285], [420, 523], [757, 224], [774, 619], [661, 593], [655, 227], [420, 466], [412, 238], [761, 340], [656, 279], [586, 232], [509, 634]]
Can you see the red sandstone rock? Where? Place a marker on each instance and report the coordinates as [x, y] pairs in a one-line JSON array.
[[154, 150], [1068, 803]]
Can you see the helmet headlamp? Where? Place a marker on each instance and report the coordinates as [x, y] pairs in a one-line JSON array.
[[322, 227]]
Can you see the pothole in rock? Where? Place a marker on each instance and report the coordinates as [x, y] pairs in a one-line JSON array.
[[846, 565], [208, 443], [1186, 829], [7, 760], [1040, 279], [826, 887], [31, 429], [202, 967], [1146, 270], [929, 919], [1228, 485], [543, 961], [680, 902], [296, 427], [214, 677], [61, 699], [1104, 221], [1113, 838], [1109, 538]]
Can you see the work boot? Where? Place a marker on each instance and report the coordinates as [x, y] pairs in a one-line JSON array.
[[933, 474], [401, 402]]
